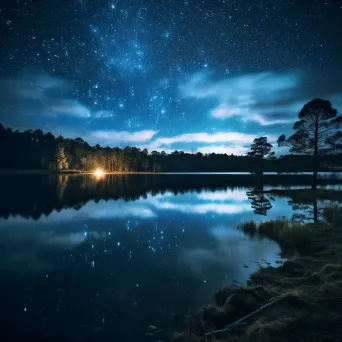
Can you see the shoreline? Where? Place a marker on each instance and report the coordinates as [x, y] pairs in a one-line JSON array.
[[300, 299], [244, 173], [68, 172]]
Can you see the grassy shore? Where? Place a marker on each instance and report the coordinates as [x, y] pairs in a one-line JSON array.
[[303, 297]]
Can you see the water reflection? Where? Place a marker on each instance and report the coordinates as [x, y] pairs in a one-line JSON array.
[[86, 257], [40, 195], [309, 205], [260, 202]]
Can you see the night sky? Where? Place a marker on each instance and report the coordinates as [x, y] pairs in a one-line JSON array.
[[192, 75]]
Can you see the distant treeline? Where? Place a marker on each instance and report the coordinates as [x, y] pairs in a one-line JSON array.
[[34, 149]]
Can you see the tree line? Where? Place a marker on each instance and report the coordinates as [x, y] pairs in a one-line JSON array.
[[315, 146]]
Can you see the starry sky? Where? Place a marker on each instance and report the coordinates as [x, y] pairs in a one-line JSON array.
[[192, 75]]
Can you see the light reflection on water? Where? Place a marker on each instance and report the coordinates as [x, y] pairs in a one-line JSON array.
[[87, 269]]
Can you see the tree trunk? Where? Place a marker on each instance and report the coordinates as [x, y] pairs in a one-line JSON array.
[[315, 210], [259, 172], [314, 185]]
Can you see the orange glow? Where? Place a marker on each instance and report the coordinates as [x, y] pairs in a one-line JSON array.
[[99, 173]]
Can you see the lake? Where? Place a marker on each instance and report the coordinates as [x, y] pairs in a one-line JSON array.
[[85, 257]]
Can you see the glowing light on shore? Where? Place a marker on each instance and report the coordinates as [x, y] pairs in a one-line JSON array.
[[99, 173]]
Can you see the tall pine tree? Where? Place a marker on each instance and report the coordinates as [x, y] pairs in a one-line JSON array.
[[318, 132]]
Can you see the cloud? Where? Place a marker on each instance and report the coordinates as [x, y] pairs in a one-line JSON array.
[[32, 86], [68, 107], [231, 137], [236, 195], [71, 240], [224, 112], [217, 208], [74, 108], [266, 98], [114, 137], [234, 142], [40, 95]]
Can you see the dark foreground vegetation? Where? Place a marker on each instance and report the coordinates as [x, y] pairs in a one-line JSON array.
[[300, 300]]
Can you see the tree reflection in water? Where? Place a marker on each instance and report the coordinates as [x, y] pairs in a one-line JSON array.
[[33, 196]]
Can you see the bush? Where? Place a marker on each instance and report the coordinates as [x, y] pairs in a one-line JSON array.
[[291, 237], [249, 228], [273, 228]]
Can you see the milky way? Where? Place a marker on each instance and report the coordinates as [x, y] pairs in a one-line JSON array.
[[148, 73]]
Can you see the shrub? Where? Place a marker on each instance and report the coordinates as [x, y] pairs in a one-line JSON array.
[[249, 228], [273, 228], [291, 237]]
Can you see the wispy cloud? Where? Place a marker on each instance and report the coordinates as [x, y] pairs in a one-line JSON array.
[[74, 108], [228, 195], [41, 95], [243, 96], [114, 137], [219, 137], [205, 208]]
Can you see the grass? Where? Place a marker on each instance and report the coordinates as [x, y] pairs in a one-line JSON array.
[[308, 285], [292, 237], [248, 227]]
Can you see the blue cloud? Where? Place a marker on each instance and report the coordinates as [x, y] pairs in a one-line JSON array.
[[242, 96], [37, 95]]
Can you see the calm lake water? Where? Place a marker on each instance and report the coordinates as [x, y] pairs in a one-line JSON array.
[[102, 259]]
